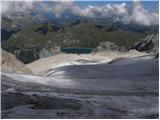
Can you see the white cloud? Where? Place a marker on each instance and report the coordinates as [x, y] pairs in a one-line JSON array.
[[141, 16], [60, 7], [108, 10], [10, 7], [119, 12]]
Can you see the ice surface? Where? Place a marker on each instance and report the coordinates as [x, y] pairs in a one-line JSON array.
[[123, 89]]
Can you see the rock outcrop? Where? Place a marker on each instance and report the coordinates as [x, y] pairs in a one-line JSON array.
[[9, 63], [149, 44], [47, 52], [109, 46]]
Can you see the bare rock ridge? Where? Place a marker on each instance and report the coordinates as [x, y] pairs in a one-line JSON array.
[[9, 63], [149, 44]]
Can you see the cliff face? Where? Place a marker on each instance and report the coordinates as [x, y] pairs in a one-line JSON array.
[[9, 63]]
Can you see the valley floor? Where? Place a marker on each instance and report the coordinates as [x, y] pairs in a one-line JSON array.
[[123, 88]]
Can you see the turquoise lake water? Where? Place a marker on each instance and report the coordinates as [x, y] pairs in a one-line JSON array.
[[77, 50]]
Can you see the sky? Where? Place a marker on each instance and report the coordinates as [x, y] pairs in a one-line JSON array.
[[149, 5], [138, 12]]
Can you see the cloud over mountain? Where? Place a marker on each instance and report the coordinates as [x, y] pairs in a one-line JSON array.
[[10, 7], [141, 16], [118, 12]]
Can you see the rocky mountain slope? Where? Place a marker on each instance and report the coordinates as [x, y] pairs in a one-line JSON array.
[[149, 44], [33, 38], [9, 63], [13, 23]]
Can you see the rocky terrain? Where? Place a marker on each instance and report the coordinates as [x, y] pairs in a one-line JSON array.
[[110, 82], [149, 44], [79, 60], [9, 63], [109, 46], [33, 41]]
